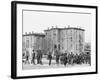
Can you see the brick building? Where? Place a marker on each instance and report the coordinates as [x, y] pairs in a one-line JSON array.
[[65, 39]]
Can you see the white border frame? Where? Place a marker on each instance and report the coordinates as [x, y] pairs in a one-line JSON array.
[[20, 72]]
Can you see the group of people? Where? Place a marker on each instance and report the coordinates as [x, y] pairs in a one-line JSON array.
[[65, 58], [34, 56], [75, 59], [60, 58]]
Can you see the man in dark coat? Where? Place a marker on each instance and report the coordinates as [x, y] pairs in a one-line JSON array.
[[33, 57], [39, 57], [49, 57], [57, 56], [65, 59], [40, 54]]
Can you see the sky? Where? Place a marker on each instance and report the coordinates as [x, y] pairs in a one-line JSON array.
[[38, 21]]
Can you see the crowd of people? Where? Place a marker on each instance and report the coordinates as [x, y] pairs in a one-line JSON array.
[[60, 58], [75, 59]]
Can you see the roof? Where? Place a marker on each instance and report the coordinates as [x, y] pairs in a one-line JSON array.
[[34, 34], [65, 29]]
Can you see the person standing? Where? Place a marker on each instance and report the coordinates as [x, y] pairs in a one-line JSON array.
[[57, 57], [40, 55], [72, 58], [65, 59], [49, 57], [27, 56], [38, 58], [33, 57]]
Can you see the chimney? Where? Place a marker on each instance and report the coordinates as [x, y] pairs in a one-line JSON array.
[[56, 26], [48, 28], [25, 32], [68, 26]]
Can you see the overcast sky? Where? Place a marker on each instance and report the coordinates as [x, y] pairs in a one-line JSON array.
[[40, 21]]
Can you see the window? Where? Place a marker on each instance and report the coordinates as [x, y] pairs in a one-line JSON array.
[[27, 43], [54, 33]]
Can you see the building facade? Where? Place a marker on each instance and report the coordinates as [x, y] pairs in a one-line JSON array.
[[70, 40], [32, 41]]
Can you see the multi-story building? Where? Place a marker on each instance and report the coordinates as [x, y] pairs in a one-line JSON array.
[[32, 41], [70, 40]]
